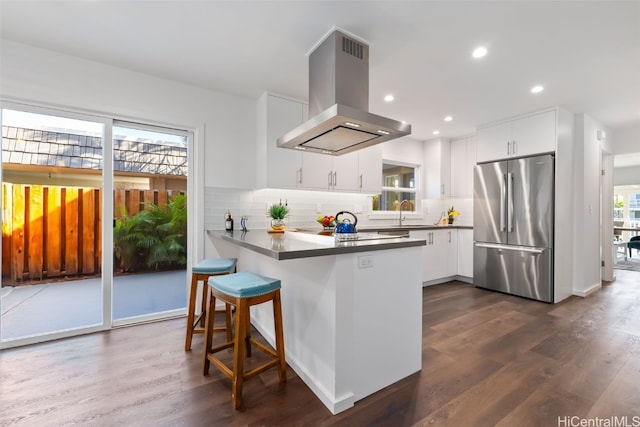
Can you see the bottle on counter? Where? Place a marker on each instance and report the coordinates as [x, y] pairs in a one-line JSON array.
[[228, 221]]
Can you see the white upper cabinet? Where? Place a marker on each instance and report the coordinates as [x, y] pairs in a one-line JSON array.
[[317, 171], [345, 172], [370, 169], [330, 173], [358, 171], [277, 167], [437, 168], [533, 134], [463, 159]]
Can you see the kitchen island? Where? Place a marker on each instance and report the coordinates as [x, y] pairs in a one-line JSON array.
[[352, 311]]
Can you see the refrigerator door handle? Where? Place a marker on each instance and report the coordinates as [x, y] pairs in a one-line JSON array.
[[510, 247], [502, 201], [510, 202]]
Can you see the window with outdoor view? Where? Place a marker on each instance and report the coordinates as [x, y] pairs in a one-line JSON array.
[[399, 183], [626, 205]]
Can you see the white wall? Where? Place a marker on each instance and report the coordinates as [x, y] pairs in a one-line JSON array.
[[44, 77], [224, 125], [587, 207], [627, 139]]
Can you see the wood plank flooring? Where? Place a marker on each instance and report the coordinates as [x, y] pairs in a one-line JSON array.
[[488, 359]]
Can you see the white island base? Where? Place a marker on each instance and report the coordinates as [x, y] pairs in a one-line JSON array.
[[352, 322]]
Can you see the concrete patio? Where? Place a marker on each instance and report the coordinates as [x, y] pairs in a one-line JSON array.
[[39, 309]]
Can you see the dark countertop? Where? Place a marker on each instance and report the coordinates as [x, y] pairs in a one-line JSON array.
[[410, 227], [293, 245]]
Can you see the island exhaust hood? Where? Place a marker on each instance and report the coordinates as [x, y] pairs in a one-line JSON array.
[[339, 102]]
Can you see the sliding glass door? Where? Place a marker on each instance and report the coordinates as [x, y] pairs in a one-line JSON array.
[[89, 243], [150, 222], [52, 207]]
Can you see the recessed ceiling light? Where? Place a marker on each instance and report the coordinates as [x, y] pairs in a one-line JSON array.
[[389, 98], [537, 89], [479, 52], [383, 132], [448, 119], [354, 125], [436, 132]]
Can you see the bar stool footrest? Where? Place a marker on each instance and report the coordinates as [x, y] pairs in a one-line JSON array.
[[268, 350], [220, 365]]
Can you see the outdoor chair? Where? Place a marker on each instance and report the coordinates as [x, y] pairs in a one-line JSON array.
[[634, 243]]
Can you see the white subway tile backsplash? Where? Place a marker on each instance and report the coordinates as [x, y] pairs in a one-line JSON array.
[[252, 204]]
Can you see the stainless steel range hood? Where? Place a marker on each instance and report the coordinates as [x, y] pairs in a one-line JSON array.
[[339, 102]]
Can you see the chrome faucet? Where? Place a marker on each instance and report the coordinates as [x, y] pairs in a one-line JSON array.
[[400, 207]]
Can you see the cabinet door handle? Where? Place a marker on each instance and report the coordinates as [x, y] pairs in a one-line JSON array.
[[442, 189], [335, 179], [449, 237], [299, 176], [514, 147], [329, 179], [361, 181], [508, 148]]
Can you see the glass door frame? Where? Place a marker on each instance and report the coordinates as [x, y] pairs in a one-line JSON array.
[[107, 206], [194, 244], [163, 314]]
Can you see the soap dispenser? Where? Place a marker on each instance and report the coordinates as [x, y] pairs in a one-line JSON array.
[[228, 221]]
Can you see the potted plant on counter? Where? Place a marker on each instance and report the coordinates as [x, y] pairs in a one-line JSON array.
[[278, 212], [452, 213]]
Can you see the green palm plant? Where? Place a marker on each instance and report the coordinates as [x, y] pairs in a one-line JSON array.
[[155, 238]]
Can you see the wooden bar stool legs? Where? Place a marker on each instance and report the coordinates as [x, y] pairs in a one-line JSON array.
[[244, 290], [202, 272]]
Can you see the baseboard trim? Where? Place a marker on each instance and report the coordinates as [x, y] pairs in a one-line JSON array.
[[448, 279], [588, 291]]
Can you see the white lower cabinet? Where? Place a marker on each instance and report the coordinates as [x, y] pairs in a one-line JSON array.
[[440, 255]]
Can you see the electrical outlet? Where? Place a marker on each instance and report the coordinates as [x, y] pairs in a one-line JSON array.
[[318, 207], [365, 261], [357, 209]]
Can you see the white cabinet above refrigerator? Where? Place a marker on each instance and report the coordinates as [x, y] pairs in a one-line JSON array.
[[524, 136]]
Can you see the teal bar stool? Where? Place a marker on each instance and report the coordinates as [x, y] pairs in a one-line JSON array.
[[200, 273], [244, 290]]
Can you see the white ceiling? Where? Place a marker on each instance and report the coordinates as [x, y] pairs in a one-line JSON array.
[[586, 54]]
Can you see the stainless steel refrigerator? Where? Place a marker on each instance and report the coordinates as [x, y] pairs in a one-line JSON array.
[[513, 211]]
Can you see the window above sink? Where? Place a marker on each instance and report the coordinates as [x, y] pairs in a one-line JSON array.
[[400, 182]]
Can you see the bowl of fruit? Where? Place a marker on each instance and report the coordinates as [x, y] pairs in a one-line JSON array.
[[327, 221]]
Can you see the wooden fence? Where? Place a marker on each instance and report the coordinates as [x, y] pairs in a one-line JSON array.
[[53, 232]]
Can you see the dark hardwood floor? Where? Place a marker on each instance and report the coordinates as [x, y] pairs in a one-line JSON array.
[[488, 359]]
